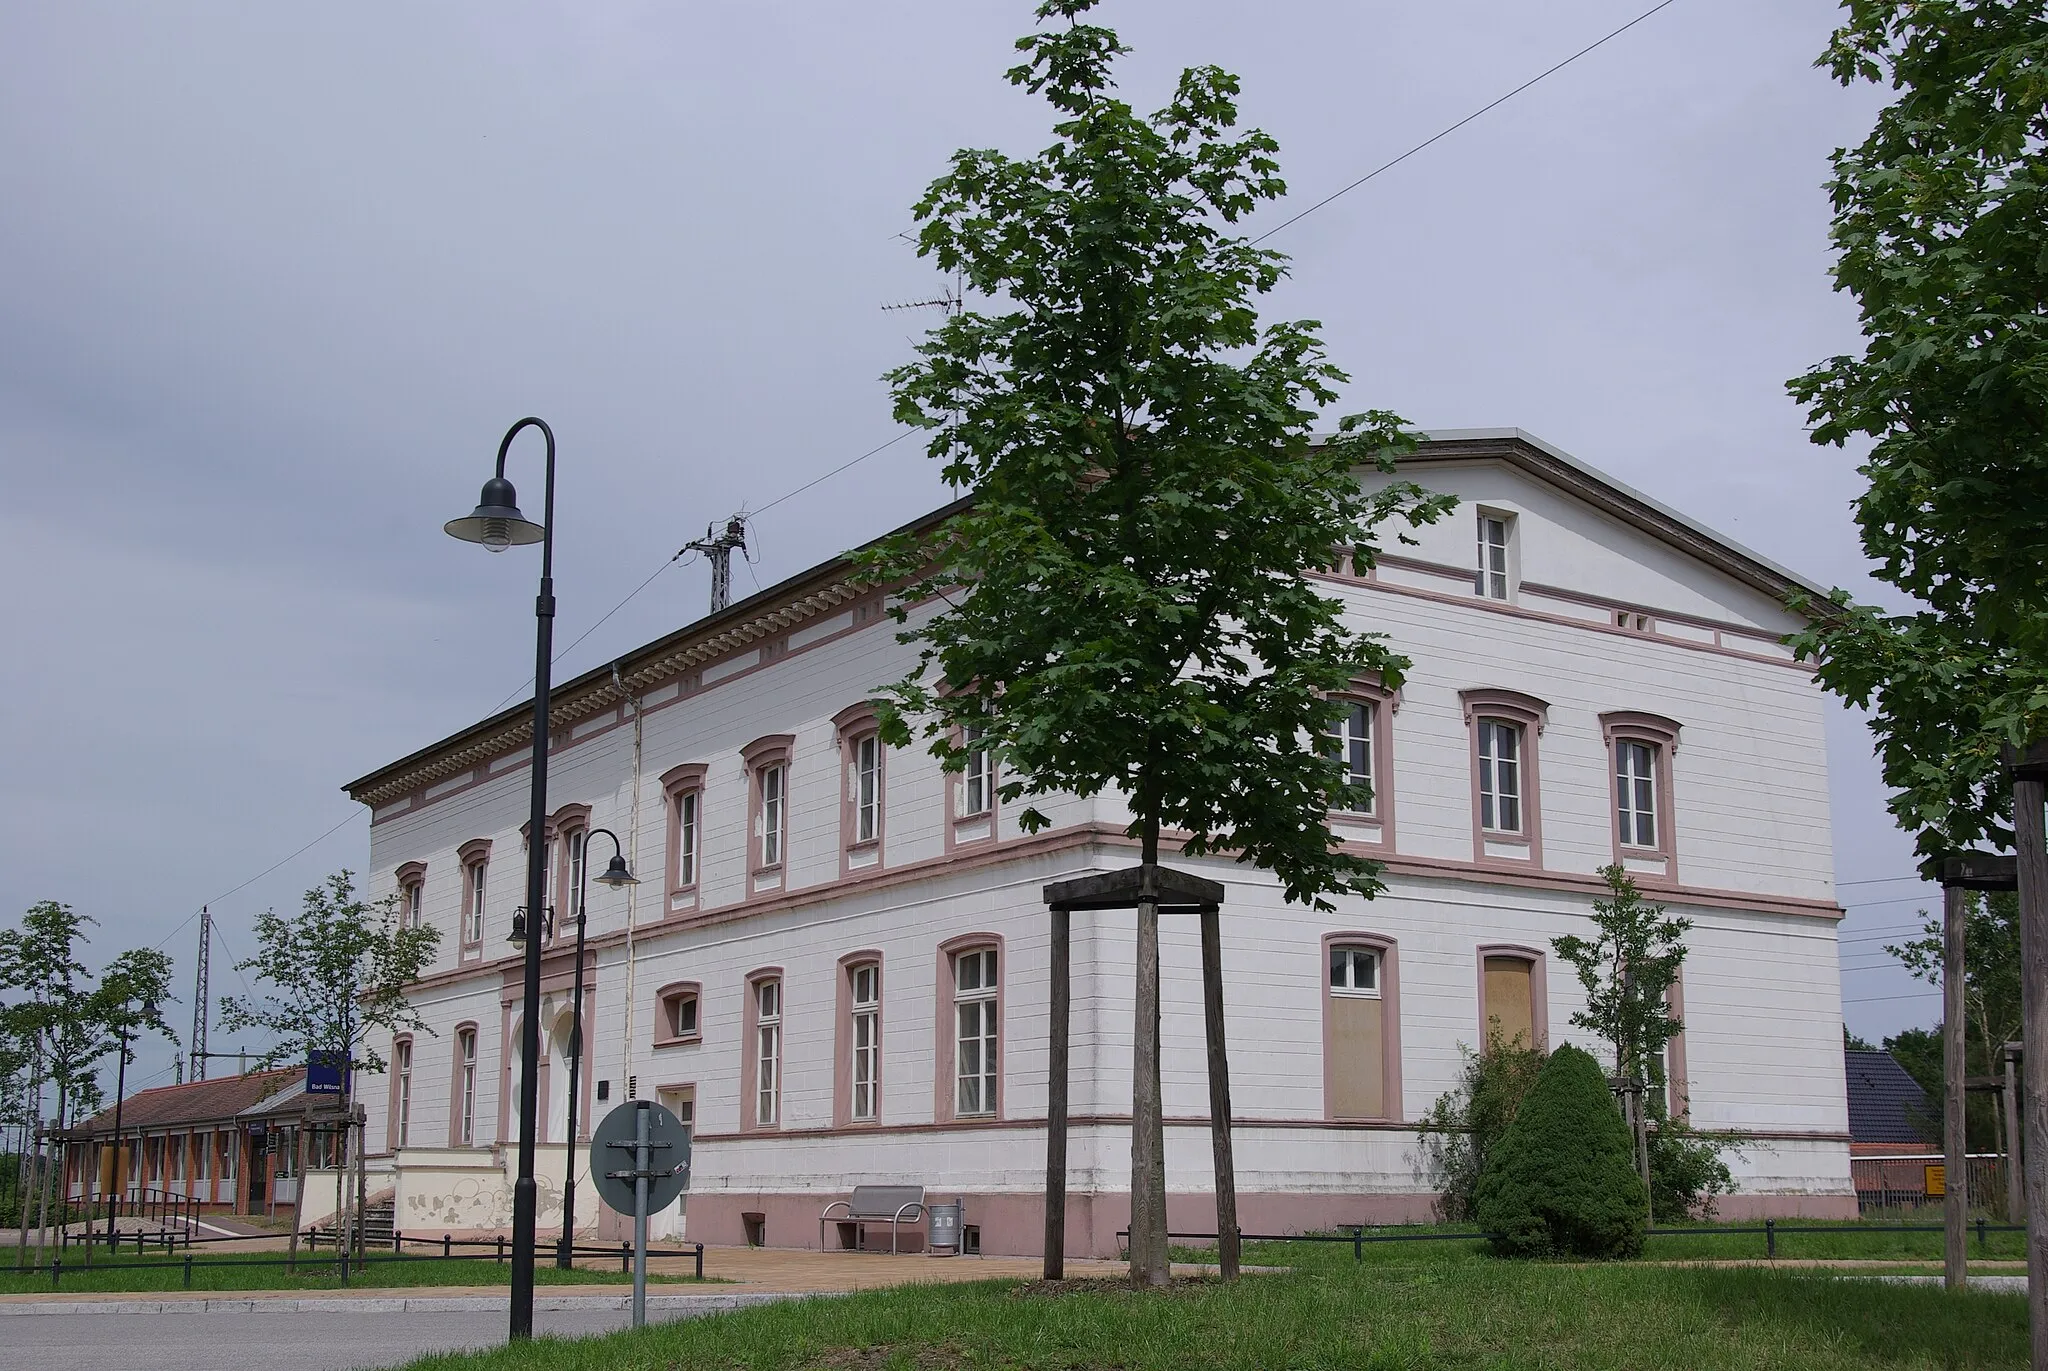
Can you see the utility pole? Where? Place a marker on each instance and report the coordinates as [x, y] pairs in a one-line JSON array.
[[717, 550], [199, 995]]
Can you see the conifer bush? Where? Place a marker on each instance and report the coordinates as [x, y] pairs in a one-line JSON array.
[[1562, 1180]]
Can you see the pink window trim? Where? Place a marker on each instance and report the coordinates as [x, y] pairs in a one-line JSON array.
[[956, 786], [750, 1074], [1511, 706], [1384, 704], [1679, 1085], [662, 1018], [945, 1089], [1539, 990], [758, 756], [472, 854], [842, 1038], [1390, 1013], [391, 1114], [566, 822], [1662, 736], [455, 1084], [853, 724], [677, 782], [410, 872]]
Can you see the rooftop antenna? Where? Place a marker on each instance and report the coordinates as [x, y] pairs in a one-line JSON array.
[[717, 549], [199, 995]]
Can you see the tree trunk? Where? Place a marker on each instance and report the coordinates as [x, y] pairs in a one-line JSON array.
[[2031, 844], [1148, 1131], [28, 1175], [49, 1181]]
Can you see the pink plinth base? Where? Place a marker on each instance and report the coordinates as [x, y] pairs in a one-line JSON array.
[[1014, 1224]]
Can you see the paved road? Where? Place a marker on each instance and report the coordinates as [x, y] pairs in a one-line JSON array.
[[313, 1340]]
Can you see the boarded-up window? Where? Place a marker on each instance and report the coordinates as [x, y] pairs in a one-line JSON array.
[[1357, 1028], [1510, 1002]]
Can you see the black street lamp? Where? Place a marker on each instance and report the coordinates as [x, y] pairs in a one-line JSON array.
[[498, 524], [615, 876]]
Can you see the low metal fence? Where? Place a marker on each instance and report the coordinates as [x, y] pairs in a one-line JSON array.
[[1359, 1235], [443, 1248], [1908, 1181]]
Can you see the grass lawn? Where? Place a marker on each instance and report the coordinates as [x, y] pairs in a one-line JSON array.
[[1455, 1309], [242, 1271]]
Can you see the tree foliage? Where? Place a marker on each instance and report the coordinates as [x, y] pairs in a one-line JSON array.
[[1123, 605], [1991, 1008], [1627, 969], [332, 974], [70, 1020], [1561, 1181], [1460, 1130], [1938, 234]]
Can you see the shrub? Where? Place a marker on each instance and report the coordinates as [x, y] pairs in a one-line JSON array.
[[1562, 1179], [1687, 1173], [1461, 1129]]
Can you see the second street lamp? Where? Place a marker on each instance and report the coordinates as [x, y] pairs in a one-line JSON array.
[[615, 875], [498, 524]]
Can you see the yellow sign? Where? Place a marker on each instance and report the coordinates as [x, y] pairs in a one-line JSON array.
[[1937, 1181]]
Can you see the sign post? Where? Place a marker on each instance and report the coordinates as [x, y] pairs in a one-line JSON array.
[[659, 1146]]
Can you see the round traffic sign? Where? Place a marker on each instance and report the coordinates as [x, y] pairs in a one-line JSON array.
[[613, 1149]]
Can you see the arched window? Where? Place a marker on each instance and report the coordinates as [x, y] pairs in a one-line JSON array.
[[1361, 1027]]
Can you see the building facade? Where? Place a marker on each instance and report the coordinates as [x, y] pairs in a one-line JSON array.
[[230, 1145], [836, 967]]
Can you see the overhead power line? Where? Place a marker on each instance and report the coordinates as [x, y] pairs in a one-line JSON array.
[[1444, 133]]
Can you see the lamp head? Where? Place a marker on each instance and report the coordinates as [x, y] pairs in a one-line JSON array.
[[496, 522], [616, 874], [518, 933]]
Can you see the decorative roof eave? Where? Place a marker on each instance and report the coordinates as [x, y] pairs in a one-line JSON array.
[[829, 584], [1558, 468], [776, 609]]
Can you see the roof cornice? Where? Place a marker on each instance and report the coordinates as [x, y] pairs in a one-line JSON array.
[[830, 584], [767, 612]]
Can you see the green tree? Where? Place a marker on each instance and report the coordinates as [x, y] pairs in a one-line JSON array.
[[333, 974], [1938, 235], [1991, 1006], [1560, 1182], [1627, 969], [1123, 604], [69, 1020]]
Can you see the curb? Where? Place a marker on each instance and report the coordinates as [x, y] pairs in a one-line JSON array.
[[680, 1305], [1996, 1285]]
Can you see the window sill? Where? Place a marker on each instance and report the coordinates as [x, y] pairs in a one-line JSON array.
[[1337, 994], [689, 1040]]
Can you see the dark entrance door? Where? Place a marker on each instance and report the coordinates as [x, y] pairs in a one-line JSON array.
[[258, 1173]]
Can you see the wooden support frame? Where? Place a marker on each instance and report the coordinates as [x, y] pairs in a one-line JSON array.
[[1152, 890], [1959, 875]]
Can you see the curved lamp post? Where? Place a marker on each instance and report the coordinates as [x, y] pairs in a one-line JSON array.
[[498, 524], [615, 875]]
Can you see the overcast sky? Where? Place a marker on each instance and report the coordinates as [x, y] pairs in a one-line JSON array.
[[274, 279]]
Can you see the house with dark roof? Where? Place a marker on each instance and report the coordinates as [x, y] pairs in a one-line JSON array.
[[224, 1143], [1888, 1111]]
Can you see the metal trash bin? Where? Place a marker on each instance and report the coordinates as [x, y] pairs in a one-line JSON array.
[[943, 1232]]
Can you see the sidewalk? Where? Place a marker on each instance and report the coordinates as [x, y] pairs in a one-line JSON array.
[[745, 1276]]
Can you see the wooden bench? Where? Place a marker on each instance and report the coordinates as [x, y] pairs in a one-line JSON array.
[[894, 1205]]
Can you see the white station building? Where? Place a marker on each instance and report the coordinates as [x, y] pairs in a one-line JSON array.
[[836, 967]]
